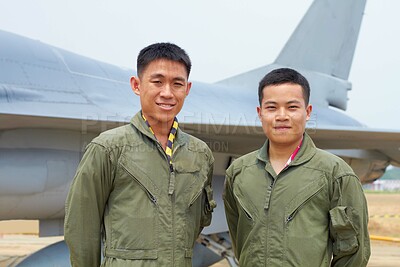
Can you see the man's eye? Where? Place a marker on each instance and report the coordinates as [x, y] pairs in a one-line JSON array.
[[178, 86], [293, 107], [270, 107]]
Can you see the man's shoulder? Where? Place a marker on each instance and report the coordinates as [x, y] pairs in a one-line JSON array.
[[327, 156], [246, 160], [114, 137], [249, 158], [329, 162], [195, 144]]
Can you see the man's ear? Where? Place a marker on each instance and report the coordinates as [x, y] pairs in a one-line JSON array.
[[135, 84], [259, 112], [308, 110], [189, 85]]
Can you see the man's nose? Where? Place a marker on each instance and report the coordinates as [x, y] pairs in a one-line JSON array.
[[166, 91], [281, 114]]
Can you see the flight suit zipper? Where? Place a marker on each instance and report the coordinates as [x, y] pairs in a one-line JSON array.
[[269, 193], [296, 210], [246, 212], [198, 193], [173, 228], [151, 196]]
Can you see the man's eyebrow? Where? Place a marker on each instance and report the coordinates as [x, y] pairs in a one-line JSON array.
[[182, 79], [159, 75], [293, 102], [156, 75], [269, 102]]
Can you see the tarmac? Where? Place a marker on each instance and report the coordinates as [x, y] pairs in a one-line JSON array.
[[383, 254], [13, 248]]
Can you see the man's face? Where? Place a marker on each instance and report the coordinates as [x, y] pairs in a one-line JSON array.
[[162, 88], [283, 113]]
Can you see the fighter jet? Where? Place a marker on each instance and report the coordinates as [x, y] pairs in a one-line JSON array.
[[53, 102]]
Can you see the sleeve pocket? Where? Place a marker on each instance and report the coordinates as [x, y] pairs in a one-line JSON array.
[[343, 230], [210, 204]]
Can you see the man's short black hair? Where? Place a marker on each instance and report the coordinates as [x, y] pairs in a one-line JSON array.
[[281, 76], [162, 51]]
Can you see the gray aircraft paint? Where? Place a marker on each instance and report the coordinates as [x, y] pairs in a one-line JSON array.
[[53, 102]]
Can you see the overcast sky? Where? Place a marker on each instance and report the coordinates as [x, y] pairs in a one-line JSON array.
[[222, 37]]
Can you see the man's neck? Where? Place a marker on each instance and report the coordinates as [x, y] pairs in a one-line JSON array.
[[280, 153], [161, 131]]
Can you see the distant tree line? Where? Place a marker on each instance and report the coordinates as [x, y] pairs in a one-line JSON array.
[[392, 173]]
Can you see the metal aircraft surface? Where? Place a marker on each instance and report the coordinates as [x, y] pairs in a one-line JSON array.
[[53, 102]]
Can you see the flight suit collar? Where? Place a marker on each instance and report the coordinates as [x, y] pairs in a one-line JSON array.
[[306, 152], [138, 122]]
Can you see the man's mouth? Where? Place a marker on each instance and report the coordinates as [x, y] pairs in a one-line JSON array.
[[282, 127], [165, 106]]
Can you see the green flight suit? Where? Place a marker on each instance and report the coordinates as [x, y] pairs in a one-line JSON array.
[[313, 213], [125, 192]]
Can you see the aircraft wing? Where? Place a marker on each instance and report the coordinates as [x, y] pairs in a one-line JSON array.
[[53, 102]]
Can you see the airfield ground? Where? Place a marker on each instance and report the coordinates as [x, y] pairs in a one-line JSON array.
[[19, 238]]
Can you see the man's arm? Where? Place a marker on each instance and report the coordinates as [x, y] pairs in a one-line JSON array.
[[208, 199], [85, 206], [349, 223], [231, 211]]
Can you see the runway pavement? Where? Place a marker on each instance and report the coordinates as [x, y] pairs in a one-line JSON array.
[[14, 248], [383, 254]]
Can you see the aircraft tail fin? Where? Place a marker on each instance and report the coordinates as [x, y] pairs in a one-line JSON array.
[[323, 42], [326, 38]]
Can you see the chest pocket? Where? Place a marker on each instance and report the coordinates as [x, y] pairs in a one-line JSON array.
[[302, 198], [197, 175], [189, 181], [195, 197], [133, 213], [247, 208], [305, 224]]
